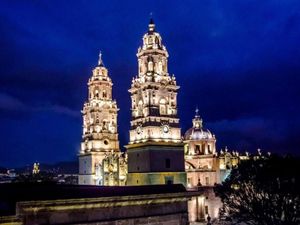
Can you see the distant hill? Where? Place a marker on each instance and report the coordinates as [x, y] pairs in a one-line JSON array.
[[69, 167]]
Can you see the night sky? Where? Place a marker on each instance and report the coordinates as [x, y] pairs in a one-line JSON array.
[[238, 61]]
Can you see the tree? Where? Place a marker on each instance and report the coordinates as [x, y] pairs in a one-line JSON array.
[[263, 190]]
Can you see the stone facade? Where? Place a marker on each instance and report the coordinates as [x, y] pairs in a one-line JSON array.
[[100, 159], [205, 168], [154, 94]]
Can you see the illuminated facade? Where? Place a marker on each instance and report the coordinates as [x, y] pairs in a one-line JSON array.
[[100, 159], [155, 149], [205, 168], [201, 162], [202, 169]]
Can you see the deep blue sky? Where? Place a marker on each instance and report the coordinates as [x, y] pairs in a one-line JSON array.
[[239, 61]]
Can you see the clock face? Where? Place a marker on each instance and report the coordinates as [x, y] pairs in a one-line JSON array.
[[166, 128]]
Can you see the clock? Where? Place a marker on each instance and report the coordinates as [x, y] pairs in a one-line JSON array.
[[165, 128]]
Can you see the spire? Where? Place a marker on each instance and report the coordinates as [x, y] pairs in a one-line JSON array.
[[151, 25], [100, 72], [100, 62]]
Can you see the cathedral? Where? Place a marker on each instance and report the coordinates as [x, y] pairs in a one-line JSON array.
[[157, 152]]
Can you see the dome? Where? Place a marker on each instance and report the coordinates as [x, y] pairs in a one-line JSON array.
[[197, 132]]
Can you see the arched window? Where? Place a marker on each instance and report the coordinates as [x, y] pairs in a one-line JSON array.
[[163, 106]]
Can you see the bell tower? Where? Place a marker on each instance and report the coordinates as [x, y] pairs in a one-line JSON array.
[[155, 150], [100, 156]]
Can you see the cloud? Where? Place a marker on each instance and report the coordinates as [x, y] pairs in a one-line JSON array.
[[61, 110], [10, 103], [14, 107]]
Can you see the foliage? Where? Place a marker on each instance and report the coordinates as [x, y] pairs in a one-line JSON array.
[[263, 190]]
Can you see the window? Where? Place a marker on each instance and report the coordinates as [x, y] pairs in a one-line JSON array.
[[168, 163]]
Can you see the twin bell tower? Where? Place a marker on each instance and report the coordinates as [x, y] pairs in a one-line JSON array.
[[155, 153]]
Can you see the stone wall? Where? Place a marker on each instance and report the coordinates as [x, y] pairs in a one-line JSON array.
[[153, 209]]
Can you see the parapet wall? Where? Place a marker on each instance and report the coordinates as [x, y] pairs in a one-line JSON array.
[[140, 209]]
